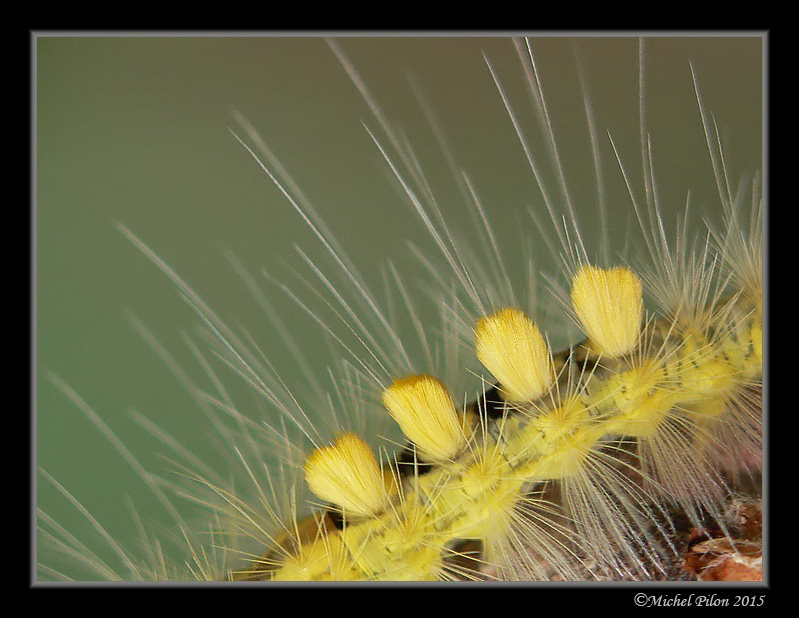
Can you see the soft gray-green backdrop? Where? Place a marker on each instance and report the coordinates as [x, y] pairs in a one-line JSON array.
[[134, 129]]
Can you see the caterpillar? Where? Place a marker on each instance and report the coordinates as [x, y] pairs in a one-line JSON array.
[[572, 452]]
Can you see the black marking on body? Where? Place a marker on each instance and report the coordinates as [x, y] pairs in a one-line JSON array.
[[337, 519], [493, 405], [409, 464]]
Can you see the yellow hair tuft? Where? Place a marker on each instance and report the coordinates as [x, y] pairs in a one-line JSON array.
[[426, 414], [512, 348], [609, 305], [347, 474]]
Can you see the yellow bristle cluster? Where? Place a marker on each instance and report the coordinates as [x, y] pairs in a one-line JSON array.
[[347, 474], [609, 305], [512, 348], [426, 414]]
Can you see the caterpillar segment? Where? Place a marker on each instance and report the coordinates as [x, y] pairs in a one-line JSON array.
[[555, 462]]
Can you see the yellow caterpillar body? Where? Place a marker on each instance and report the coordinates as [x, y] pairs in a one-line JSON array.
[[416, 521]]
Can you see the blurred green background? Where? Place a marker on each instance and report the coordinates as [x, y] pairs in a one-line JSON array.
[[134, 130]]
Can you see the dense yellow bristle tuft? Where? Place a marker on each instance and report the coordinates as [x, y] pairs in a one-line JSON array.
[[512, 348], [347, 474], [426, 414], [609, 305]]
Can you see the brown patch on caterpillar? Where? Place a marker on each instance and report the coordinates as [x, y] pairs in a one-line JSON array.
[[741, 458], [710, 555], [717, 560], [720, 559]]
